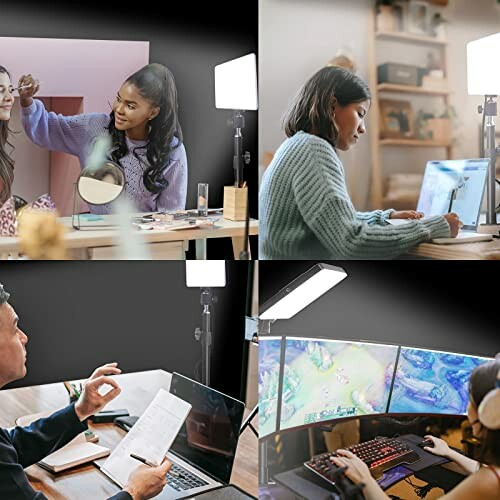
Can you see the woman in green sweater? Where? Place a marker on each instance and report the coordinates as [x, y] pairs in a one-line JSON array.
[[305, 210]]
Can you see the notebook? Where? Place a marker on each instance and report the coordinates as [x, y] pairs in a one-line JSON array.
[[78, 451], [454, 186]]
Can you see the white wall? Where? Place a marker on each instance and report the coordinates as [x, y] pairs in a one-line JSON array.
[[297, 37]]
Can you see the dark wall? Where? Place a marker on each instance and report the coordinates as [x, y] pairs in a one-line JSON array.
[[440, 305], [79, 315], [188, 38]]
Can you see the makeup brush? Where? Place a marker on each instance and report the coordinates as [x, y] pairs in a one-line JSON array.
[[22, 87]]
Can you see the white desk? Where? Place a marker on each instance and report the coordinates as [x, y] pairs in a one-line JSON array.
[[103, 243]]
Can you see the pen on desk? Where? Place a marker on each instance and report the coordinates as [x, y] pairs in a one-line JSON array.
[[151, 464]]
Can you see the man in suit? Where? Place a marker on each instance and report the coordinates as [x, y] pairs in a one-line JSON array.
[[22, 447]]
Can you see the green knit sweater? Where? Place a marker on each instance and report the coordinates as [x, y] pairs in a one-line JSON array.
[[305, 211]]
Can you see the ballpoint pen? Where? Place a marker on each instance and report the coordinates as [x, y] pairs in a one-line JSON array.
[[151, 464]]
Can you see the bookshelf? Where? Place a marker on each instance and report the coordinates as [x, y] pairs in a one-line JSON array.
[[379, 146]]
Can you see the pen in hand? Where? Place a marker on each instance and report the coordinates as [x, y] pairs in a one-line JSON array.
[[452, 196], [151, 464]]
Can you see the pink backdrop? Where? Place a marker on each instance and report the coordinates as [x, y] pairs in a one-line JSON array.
[[82, 76]]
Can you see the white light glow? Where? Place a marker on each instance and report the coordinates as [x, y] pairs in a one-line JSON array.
[[236, 84], [205, 273], [304, 294], [483, 70]]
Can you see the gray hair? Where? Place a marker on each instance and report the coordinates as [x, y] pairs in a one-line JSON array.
[[4, 296]]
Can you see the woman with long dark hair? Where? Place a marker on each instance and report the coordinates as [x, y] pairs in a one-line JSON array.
[[305, 209], [483, 412], [6, 162], [146, 137]]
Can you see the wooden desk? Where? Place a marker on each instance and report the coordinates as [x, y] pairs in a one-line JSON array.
[[101, 243], [87, 482], [480, 250]]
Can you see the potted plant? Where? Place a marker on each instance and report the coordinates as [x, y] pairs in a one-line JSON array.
[[436, 128]]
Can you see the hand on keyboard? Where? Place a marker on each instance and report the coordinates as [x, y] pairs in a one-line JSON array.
[[355, 469], [378, 455]]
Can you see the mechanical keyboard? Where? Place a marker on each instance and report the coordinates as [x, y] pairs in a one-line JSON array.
[[379, 454]]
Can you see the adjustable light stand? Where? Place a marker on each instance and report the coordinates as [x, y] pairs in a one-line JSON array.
[[204, 334], [489, 110], [240, 159], [263, 328]]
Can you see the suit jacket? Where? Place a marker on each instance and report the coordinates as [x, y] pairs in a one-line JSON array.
[[24, 446]]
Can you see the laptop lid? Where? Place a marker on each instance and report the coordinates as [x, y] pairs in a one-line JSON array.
[[209, 436], [454, 186]]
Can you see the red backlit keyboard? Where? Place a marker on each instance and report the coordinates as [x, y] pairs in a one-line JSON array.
[[380, 454]]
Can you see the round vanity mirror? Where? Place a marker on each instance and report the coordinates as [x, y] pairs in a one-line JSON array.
[[102, 185]]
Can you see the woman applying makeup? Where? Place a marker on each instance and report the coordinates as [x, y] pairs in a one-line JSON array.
[[146, 137]]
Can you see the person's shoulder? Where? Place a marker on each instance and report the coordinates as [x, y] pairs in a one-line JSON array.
[[100, 120], [178, 151], [484, 482], [313, 144]]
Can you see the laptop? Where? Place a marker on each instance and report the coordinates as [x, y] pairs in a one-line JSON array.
[[203, 452], [454, 186]]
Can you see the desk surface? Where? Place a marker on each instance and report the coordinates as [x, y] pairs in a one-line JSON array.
[[85, 482], [481, 250], [106, 236]]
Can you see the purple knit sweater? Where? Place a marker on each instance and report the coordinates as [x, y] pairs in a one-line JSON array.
[[75, 135]]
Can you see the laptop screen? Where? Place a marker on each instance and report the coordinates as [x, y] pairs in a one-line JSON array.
[[209, 436], [454, 186]]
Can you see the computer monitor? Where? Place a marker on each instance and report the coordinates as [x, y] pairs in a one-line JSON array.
[[454, 186], [329, 379], [269, 374], [434, 382]]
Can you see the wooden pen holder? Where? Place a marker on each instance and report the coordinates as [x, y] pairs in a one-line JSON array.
[[235, 203]]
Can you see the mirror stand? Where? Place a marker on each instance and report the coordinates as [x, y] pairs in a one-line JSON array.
[[97, 187]]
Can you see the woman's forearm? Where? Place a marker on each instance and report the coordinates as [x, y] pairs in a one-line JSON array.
[[372, 491], [467, 464]]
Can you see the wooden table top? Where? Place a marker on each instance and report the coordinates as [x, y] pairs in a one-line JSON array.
[[480, 250], [87, 482], [109, 236]]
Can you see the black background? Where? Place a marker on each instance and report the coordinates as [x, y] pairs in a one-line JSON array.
[[79, 315], [190, 39], [452, 306]]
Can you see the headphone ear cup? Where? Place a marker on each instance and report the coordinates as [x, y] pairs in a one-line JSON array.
[[489, 409]]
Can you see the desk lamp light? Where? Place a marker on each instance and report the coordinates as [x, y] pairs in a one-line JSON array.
[[236, 89], [205, 275], [285, 304], [483, 78]]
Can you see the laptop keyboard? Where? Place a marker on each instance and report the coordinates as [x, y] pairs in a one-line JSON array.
[[185, 480]]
